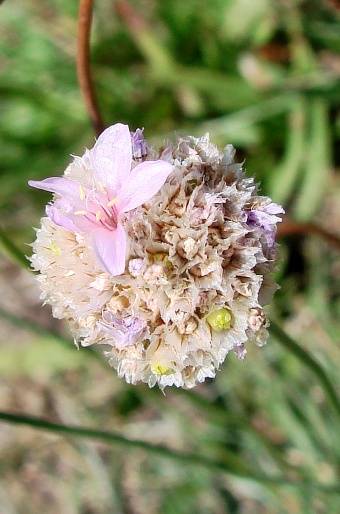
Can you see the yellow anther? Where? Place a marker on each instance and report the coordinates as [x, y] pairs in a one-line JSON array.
[[160, 369], [54, 248], [98, 215], [102, 188], [80, 212], [219, 320], [81, 192], [112, 202]]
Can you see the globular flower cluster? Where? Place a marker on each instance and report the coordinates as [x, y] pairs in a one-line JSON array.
[[165, 257]]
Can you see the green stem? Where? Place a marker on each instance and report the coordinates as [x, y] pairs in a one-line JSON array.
[[11, 250], [307, 360], [187, 458], [219, 415]]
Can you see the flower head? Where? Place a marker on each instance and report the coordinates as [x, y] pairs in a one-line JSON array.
[[198, 246], [115, 190]]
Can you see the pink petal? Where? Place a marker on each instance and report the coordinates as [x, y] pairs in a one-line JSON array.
[[53, 211], [67, 189], [144, 181], [110, 248], [111, 156]]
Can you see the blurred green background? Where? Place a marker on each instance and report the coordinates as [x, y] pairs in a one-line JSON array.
[[264, 76]]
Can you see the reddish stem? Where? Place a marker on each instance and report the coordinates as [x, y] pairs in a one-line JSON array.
[[83, 65], [289, 227]]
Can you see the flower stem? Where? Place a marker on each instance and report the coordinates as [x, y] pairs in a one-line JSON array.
[[220, 416], [289, 227], [83, 65], [307, 360], [187, 458]]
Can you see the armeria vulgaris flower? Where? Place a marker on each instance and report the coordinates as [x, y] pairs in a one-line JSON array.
[[96, 206], [164, 257]]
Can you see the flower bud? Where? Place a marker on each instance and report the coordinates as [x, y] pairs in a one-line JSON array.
[[219, 320]]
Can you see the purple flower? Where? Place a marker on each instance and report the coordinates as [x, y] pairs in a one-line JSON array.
[[139, 146], [116, 190], [124, 331], [264, 217], [240, 352]]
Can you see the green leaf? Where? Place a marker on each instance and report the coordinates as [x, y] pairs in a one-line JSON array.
[[317, 162], [309, 362], [285, 177]]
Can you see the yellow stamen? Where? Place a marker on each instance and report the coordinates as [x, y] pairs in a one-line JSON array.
[[54, 248], [219, 320], [112, 202], [81, 192], [80, 212], [159, 369], [98, 215], [102, 188]]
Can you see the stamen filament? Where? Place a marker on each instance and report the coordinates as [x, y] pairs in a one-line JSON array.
[[106, 225]]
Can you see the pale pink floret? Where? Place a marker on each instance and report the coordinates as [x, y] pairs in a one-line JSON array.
[[117, 189]]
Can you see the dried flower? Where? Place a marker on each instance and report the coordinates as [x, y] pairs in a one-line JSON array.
[[166, 262], [139, 146], [263, 216]]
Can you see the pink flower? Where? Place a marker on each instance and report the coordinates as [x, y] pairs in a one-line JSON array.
[[139, 146], [124, 331], [264, 217], [116, 190]]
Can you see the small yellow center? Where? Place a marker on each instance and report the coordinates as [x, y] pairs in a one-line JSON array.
[[159, 369], [219, 320], [54, 248]]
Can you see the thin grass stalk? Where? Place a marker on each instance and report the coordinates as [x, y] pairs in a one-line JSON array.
[[307, 360], [162, 451]]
